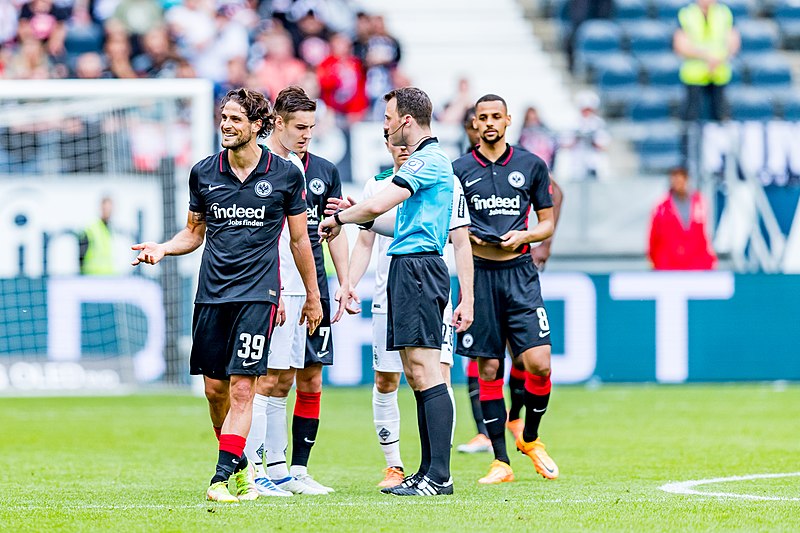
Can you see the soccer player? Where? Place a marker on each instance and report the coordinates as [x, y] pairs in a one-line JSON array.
[[502, 184], [418, 284], [289, 356], [240, 198], [387, 363]]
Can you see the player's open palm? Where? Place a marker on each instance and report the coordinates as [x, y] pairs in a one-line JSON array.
[[149, 252], [463, 316], [311, 314]]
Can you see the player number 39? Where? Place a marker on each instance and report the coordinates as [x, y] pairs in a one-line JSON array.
[[252, 346]]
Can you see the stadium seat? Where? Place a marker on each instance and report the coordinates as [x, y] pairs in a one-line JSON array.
[[629, 10], [659, 152], [662, 70], [668, 9], [769, 71], [596, 39], [617, 79], [790, 108], [787, 15], [758, 36], [649, 106], [750, 104], [741, 9], [647, 37]]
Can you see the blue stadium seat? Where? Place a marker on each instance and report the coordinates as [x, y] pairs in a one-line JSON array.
[[668, 9], [758, 36], [647, 37], [769, 71], [650, 106], [596, 39], [750, 104], [787, 15], [662, 70], [790, 108], [633, 10], [617, 79], [659, 152], [741, 9]]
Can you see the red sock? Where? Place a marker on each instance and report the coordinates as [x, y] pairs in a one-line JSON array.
[[472, 369], [491, 390], [218, 431], [232, 443], [538, 385], [517, 373], [307, 404]]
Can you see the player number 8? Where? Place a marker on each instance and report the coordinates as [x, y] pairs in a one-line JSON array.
[[252, 346], [544, 325]]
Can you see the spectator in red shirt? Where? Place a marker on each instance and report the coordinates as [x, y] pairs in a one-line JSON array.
[[678, 235], [341, 80]]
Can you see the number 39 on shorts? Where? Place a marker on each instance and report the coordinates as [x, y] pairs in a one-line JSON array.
[[252, 346]]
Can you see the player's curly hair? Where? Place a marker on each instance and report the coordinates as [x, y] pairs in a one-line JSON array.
[[256, 107], [412, 101], [291, 100]]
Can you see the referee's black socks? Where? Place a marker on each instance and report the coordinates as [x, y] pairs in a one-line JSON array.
[[438, 413], [424, 439]]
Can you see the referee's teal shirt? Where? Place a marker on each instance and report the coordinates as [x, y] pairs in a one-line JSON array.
[[423, 220]]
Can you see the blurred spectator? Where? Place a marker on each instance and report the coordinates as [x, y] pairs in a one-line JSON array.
[[537, 138], [89, 66], [30, 62], [589, 141], [341, 80], [230, 40], [279, 68], [158, 58], [678, 234], [706, 40], [139, 16], [381, 56], [454, 110], [470, 131], [118, 56], [8, 22], [310, 37], [42, 20], [96, 252]]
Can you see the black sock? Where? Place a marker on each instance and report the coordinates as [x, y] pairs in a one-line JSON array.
[[439, 418], [494, 416], [424, 439], [304, 433], [475, 401], [227, 464], [535, 407], [517, 388]]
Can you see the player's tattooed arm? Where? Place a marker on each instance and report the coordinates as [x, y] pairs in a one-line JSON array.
[[185, 241]]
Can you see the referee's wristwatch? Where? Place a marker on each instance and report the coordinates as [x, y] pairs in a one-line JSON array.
[[337, 219]]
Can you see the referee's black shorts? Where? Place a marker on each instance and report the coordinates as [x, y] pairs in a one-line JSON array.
[[417, 288]]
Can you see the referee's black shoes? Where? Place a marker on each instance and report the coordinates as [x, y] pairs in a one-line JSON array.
[[425, 486]]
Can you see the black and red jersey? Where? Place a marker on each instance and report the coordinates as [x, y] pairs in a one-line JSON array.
[[243, 224], [322, 182], [500, 194]]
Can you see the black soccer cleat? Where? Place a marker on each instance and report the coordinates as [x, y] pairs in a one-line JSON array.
[[408, 481], [425, 487]]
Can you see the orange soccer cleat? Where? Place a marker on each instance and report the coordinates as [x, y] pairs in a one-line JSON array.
[[394, 476], [543, 463], [499, 472], [516, 427]]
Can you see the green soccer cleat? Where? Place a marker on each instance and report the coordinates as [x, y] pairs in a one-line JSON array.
[[244, 479], [218, 492]]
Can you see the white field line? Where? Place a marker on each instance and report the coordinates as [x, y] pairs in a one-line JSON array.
[[687, 487]]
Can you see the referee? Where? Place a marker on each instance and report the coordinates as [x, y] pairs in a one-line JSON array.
[[418, 284]]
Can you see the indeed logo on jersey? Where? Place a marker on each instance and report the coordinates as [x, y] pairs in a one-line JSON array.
[[497, 205], [240, 216], [312, 214]]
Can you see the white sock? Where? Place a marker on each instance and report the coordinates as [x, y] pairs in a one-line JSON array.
[[298, 470], [453, 400], [254, 448], [277, 439], [386, 415]]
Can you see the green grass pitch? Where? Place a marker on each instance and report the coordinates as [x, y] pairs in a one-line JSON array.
[[142, 463]]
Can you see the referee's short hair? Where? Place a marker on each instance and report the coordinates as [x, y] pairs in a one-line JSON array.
[[256, 107], [291, 100], [492, 98], [412, 101]]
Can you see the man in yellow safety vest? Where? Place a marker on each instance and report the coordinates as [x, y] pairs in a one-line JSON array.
[[96, 244], [706, 40]]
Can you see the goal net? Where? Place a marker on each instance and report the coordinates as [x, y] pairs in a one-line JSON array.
[[72, 153]]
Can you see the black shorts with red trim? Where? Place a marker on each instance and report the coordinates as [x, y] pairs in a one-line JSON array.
[[231, 338], [319, 346], [508, 308], [417, 289]]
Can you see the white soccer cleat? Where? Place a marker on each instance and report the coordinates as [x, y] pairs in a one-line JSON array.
[[266, 487], [295, 486], [311, 482]]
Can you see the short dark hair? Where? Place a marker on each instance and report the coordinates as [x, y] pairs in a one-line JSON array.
[[469, 114], [412, 101], [679, 170], [492, 98], [291, 100], [256, 107]]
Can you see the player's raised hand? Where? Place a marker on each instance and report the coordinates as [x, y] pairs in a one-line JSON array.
[[311, 314], [338, 204], [462, 316], [149, 252], [513, 240], [328, 229]]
